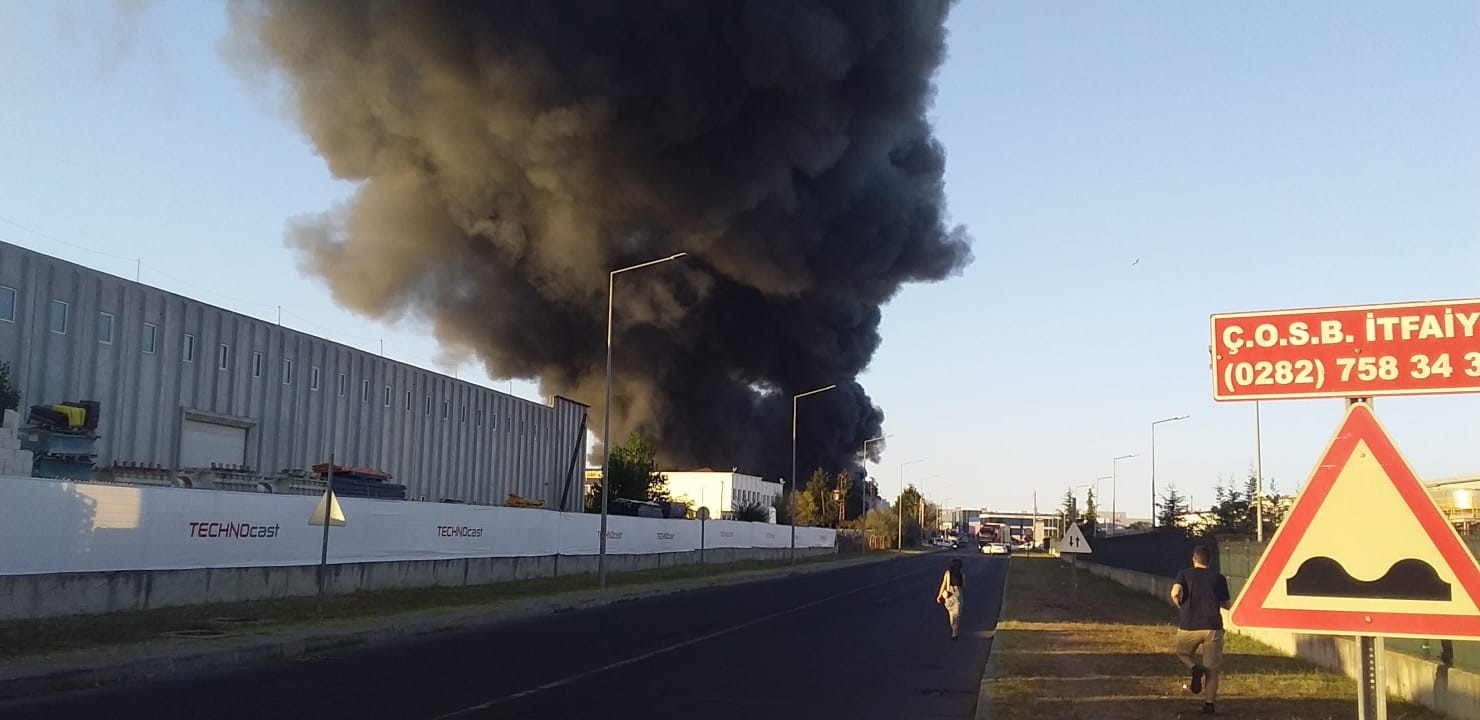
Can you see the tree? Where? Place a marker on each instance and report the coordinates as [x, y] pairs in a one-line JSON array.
[[1172, 505], [752, 511], [880, 527], [1091, 520], [10, 398], [807, 512], [1231, 509], [909, 509], [1068, 512], [633, 474], [1139, 525]]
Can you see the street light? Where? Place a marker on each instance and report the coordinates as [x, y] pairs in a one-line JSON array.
[[606, 427], [863, 509], [899, 511], [1101, 498], [1114, 492], [1153, 459], [794, 484], [922, 501]]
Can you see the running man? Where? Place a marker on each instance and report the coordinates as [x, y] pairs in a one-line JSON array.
[[1199, 593]]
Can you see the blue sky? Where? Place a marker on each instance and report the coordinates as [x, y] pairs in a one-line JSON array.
[[1250, 156]]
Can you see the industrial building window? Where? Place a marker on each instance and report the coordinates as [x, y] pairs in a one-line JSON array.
[[187, 350], [408, 401], [287, 371], [105, 328], [387, 396], [7, 304], [150, 333], [313, 378], [493, 420], [478, 418], [256, 364], [340, 386], [364, 391], [446, 410], [59, 317], [223, 357], [462, 415], [428, 409]]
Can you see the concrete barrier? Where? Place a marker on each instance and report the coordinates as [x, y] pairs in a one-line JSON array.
[[62, 594], [1453, 692]]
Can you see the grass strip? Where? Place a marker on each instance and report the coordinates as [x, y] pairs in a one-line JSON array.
[[1109, 657]]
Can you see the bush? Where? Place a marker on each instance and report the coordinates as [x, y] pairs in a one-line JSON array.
[[10, 398], [752, 512]]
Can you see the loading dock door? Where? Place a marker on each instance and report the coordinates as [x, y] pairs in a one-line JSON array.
[[203, 443]]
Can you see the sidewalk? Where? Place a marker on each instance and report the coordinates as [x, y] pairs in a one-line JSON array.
[[279, 630], [1110, 658]]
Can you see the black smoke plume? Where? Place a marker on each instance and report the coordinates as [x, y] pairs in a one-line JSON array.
[[510, 154]]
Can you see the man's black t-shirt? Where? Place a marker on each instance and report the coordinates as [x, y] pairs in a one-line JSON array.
[[1203, 592]]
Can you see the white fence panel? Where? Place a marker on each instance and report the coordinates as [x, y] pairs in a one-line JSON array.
[[48, 526]]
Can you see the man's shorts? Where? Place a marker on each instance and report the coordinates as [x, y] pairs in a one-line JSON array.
[[1211, 642]]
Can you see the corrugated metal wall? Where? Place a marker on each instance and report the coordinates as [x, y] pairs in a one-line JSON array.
[[442, 437]]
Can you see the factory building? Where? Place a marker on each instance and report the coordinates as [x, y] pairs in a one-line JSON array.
[[184, 386]]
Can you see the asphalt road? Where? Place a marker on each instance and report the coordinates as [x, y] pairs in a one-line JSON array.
[[860, 642]]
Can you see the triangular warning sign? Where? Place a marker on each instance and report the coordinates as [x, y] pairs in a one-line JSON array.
[[336, 513], [1364, 551], [1074, 542]]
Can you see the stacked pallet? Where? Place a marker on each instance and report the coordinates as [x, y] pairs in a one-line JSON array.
[[362, 482], [63, 439]]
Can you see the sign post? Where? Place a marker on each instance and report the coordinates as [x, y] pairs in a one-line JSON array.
[[326, 513], [703, 518], [1416, 578], [1074, 545]]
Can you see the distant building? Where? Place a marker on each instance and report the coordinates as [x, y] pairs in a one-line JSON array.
[[1459, 499], [721, 492]]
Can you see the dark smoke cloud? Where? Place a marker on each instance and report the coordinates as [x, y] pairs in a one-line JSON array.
[[510, 154]]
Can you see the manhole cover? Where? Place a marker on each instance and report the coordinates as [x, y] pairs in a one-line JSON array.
[[196, 634], [239, 621]]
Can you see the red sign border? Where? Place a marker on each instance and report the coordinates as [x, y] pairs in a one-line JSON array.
[[1219, 396], [1360, 424]]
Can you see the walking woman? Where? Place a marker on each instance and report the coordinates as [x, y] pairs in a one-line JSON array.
[[949, 594]]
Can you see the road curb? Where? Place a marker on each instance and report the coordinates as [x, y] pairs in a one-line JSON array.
[[984, 691], [96, 671]]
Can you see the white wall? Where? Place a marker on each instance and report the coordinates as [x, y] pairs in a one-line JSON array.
[[50, 526]]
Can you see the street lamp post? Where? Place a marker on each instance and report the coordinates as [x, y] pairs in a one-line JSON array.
[[863, 507], [899, 511], [922, 502], [794, 483], [1101, 498], [1153, 460], [606, 427], [1258, 477], [1114, 492]]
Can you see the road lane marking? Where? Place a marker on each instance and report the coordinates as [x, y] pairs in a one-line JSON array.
[[664, 650]]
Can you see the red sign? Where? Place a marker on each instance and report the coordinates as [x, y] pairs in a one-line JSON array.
[[1356, 351], [1364, 551]]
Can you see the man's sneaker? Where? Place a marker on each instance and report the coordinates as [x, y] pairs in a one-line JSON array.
[[1207, 708], [1197, 677]]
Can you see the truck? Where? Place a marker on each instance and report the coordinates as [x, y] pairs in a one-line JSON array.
[[994, 539]]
